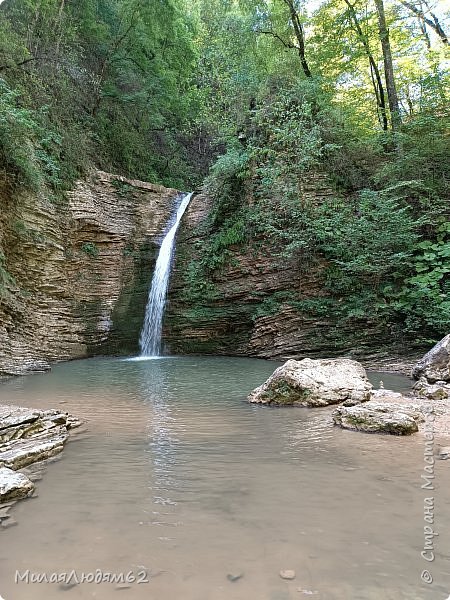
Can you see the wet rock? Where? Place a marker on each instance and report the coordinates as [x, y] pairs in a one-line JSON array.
[[440, 390], [444, 453], [379, 417], [4, 510], [234, 576], [435, 365], [21, 453], [13, 416], [9, 522], [30, 435], [83, 262], [73, 422], [122, 586], [287, 574], [67, 586], [14, 486], [314, 383]]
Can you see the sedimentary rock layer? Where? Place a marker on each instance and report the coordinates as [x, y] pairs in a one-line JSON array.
[[74, 275]]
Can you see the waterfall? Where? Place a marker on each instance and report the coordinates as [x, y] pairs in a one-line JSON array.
[[150, 340]]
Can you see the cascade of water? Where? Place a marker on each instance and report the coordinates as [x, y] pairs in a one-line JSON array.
[[150, 340]]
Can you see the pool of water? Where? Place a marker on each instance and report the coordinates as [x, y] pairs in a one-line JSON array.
[[178, 477]]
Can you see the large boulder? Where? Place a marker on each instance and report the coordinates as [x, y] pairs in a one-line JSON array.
[[314, 383], [435, 365], [379, 417], [14, 486]]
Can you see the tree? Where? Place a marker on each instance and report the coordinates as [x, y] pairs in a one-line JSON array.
[[374, 70], [298, 32], [388, 67]]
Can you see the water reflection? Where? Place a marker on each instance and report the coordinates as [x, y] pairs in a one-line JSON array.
[[178, 473]]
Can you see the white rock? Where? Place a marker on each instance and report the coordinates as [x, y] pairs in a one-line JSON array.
[[315, 383], [435, 365], [287, 574], [14, 485], [379, 417]]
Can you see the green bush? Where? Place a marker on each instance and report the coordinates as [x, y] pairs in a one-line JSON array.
[[90, 249]]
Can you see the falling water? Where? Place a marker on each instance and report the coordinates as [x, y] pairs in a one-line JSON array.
[[150, 340]]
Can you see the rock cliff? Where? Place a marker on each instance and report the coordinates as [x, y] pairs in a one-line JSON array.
[[74, 275], [74, 279], [254, 305]]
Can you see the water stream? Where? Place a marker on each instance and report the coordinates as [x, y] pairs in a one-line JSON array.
[[178, 475], [150, 340]]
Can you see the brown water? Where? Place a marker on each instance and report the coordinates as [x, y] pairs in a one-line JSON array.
[[179, 476]]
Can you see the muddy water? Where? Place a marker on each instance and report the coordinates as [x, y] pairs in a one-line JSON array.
[[181, 483]]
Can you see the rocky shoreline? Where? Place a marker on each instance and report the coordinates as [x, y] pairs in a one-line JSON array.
[[28, 438], [343, 382]]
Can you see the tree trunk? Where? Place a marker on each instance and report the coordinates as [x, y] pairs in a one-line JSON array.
[[388, 67], [300, 35], [374, 70]]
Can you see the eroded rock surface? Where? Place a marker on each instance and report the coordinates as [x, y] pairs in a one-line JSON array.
[[14, 486], [256, 303], [74, 275], [314, 383], [379, 417], [435, 365], [28, 435], [440, 390]]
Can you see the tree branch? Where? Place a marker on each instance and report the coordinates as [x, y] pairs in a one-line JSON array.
[[433, 22], [278, 37]]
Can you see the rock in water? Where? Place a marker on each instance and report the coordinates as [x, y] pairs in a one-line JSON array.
[[234, 576], [435, 365], [444, 453], [440, 390], [14, 485], [315, 383], [379, 417], [287, 574]]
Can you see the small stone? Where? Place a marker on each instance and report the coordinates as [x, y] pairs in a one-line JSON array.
[[234, 576], [14, 485], [444, 453], [4, 512], [123, 586], [287, 574], [67, 586], [9, 522]]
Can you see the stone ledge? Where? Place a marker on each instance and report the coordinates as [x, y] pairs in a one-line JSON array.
[[27, 436]]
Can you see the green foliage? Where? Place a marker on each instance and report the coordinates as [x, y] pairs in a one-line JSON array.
[[156, 90], [425, 296], [225, 184], [369, 240], [122, 188], [273, 303], [20, 151], [104, 84], [90, 248]]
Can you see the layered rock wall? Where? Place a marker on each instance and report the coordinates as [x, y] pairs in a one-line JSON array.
[[74, 276], [255, 305]]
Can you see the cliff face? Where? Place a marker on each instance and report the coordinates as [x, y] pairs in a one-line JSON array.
[[74, 281], [74, 277], [255, 303]]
